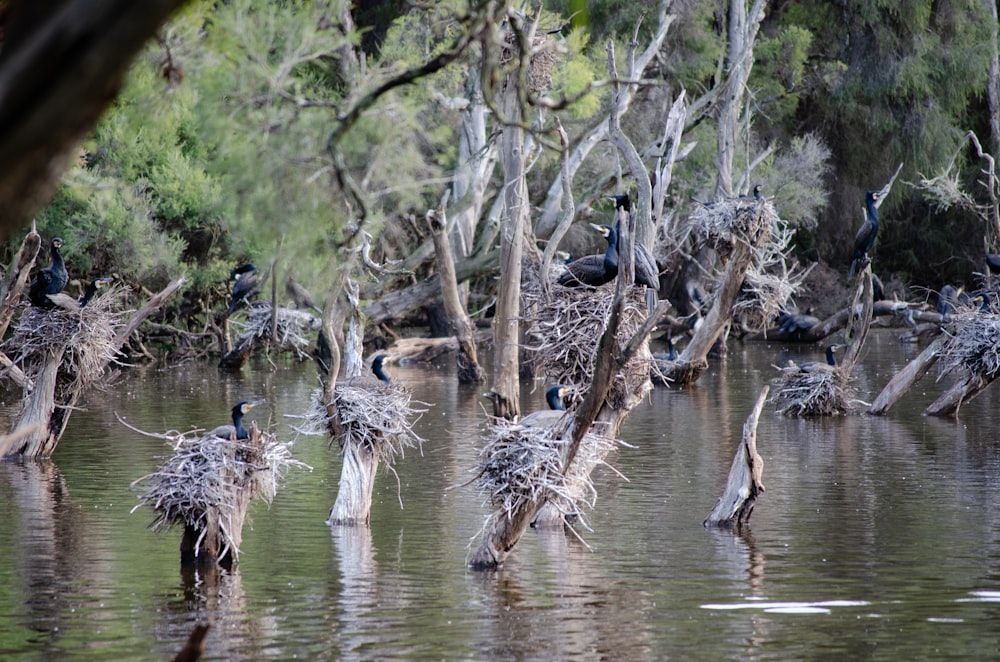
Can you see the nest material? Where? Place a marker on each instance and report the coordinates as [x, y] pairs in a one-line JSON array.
[[974, 344], [373, 414], [292, 327], [722, 224], [520, 465], [210, 480], [822, 391], [566, 326], [85, 336], [544, 56]]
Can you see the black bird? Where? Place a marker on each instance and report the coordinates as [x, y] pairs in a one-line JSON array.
[[993, 263], [378, 362], [244, 287], [300, 296], [878, 289], [50, 280], [865, 238], [96, 284], [755, 194], [814, 366], [594, 270], [670, 354], [791, 326], [947, 298], [646, 271], [554, 397], [236, 430]]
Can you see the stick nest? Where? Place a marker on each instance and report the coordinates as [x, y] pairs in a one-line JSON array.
[[974, 344], [292, 328], [722, 224], [520, 465], [209, 479], [373, 414], [566, 325], [822, 391], [544, 56], [85, 337]]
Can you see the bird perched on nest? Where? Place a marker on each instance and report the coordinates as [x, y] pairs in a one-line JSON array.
[[865, 238], [300, 296], [756, 194], [50, 280], [646, 271], [95, 285], [813, 366], [244, 287], [541, 418], [594, 270], [236, 430], [378, 363]]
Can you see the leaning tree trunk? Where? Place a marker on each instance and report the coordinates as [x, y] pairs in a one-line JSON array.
[[744, 484], [469, 370]]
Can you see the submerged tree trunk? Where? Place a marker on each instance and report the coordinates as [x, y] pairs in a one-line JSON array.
[[903, 380], [744, 484], [469, 370]]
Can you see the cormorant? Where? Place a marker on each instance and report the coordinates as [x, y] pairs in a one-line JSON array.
[[96, 284], [814, 366], [793, 325], [594, 270], [670, 354], [378, 362], [993, 263], [50, 280], [236, 430], [244, 287], [300, 295], [878, 289], [865, 238], [755, 194], [947, 298], [554, 397], [646, 271]]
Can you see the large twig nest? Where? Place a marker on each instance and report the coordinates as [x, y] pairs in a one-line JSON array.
[[566, 326], [293, 327], [208, 479], [373, 415], [519, 465], [85, 336], [973, 344], [543, 58], [821, 390], [722, 224]]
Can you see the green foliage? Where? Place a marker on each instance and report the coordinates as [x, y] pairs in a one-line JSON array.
[[572, 76], [777, 76]]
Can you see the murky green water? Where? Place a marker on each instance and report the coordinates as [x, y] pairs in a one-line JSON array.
[[876, 538]]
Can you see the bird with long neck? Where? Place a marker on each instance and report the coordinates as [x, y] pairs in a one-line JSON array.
[[244, 287], [50, 280], [646, 271], [95, 285], [593, 270], [378, 363], [236, 430], [554, 397], [865, 238]]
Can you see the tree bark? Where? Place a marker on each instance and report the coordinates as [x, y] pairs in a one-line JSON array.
[[469, 370], [962, 391], [506, 328], [17, 278], [61, 64], [744, 484]]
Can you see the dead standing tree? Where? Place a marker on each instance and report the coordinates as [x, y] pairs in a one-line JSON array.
[[469, 370], [63, 352]]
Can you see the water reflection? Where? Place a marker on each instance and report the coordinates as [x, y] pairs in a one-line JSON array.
[[875, 536]]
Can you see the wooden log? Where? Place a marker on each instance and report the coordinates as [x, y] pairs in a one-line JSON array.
[[357, 483], [832, 324], [17, 278], [469, 370], [962, 391], [744, 484], [903, 380]]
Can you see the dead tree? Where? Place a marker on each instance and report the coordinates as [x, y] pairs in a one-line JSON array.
[[907, 377], [469, 370], [744, 485], [66, 352]]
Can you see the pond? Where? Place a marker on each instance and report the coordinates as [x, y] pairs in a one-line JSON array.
[[876, 537]]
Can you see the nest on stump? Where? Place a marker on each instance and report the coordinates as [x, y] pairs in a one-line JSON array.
[[821, 390], [520, 465], [973, 344], [84, 336], [566, 324], [722, 224], [208, 481], [544, 57], [374, 415], [292, 328]]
